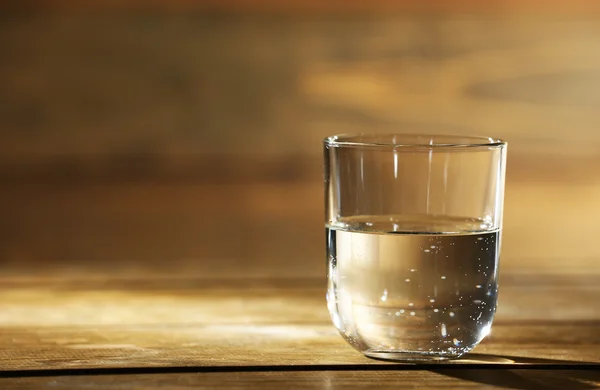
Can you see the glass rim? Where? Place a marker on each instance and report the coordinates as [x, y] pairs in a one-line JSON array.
[[399, 140]]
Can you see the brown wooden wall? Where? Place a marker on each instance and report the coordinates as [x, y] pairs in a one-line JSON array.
[[154, 137]]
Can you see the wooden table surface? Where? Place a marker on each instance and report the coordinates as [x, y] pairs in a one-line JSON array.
[[190, 332], [132, 285]]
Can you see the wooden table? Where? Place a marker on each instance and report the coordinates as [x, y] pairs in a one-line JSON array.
[[132, 285], [190, 332]]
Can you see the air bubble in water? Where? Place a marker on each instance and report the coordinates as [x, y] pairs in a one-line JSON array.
[[384, 296]]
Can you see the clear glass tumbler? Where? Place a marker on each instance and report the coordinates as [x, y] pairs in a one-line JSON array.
[[413, 228]]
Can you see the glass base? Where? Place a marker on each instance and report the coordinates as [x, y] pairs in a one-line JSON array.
[[410, 356]]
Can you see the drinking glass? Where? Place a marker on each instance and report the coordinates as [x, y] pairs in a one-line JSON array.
[[413, 228]]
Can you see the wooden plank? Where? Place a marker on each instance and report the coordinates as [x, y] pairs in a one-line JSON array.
[[337, 6], [264, 346], [101, 101], [132, 228], [222, 169], [206, 301], [180, 323], [439, 379]]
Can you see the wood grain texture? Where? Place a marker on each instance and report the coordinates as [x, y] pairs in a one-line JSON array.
[[135, 227], [189, 84], [192, 322], [131, 136], [438, 379], [314, 6]]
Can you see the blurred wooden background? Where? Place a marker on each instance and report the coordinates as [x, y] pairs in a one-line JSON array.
[[159, 137]]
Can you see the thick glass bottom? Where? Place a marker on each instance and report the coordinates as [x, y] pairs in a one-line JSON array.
[[411, 356]]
